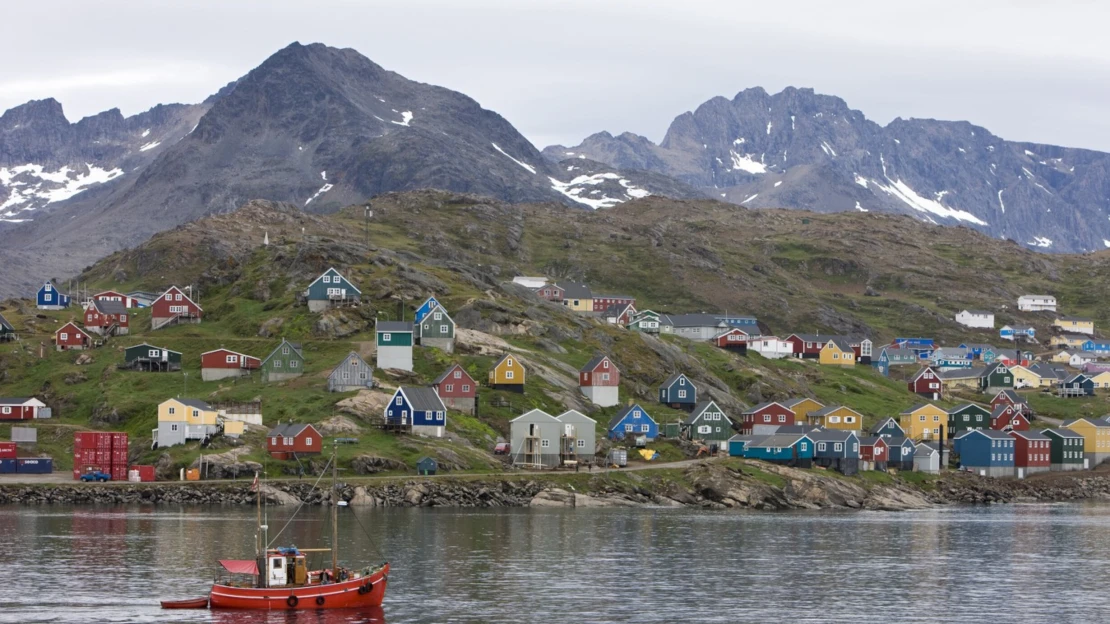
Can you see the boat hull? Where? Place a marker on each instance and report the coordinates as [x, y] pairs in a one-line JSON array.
[[192, 603], [343, 595]]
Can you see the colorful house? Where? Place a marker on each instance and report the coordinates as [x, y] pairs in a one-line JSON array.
[[1074, 325], [181, 420], [1008, 418], [7, 332], [1100, 379], [1071, 341], [107, 318], [352, 374], [770, 347], [901, 451], [838, 352], [599, 381], [1065, 449], [1036, 303], [926, 458], [1015, 332], [1029, 378], [285, 362], [1032, 452], [534, 440], [874, 451], [967, 378], [980, 319], [71, 337], [979, 350], [766, 418], [578, 441], [1098, 346], [394, 340], [1096, 439], [808, 345], [23, 408], [507, 374], [645, 321], [947, 358], [577, 297], [986, 452], [802, 407], [290, 441], [619, 314], [126, 301], [891, 356], [967, 417], [425, 309], [708, 422], [50, 298], [734, 339], [704, 326], [996, 376], [888, 428], [923, 421], [601, 303], [1009, 397], [329, 290], [550, 292], [437, 329], [678, 392], [418, 410], [839, 450], [457, 389], [926, 383], [225, 364], [146, 357], [1077, 385], [174, 307], [791, 449], [632, 421], [922, 346], [836, 417]]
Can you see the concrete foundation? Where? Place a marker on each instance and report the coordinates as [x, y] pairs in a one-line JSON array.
[[1065, 467], [602, 396], [215, 374], [399, 358], [459, 405], [447, 345], [429, 431]]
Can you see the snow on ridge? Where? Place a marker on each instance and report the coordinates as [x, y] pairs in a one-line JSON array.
[[1040, 241], [791, 122], [749, 199], [324, 175], [769, 127], [902, 191], [1028, 153], [530, 168], [777, 184], [579, 185], [323, 189], [860, 180], [62, 185], [406, 117], [145, 133], [150, 146], [634, 191], [745, 162], [1106, 242], [1000, 204], [861, 208], [828, 149]]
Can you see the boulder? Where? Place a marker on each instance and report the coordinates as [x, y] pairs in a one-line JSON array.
[[553, 497], [336, 425], [362, 499], [367, 405], [271, 327], [273, 496], [84, 359], [369, 464]]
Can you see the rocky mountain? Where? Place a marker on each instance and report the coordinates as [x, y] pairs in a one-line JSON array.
[[315, 126], [799, 149]]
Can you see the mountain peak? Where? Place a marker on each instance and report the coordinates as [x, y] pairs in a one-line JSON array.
[[46, 110]]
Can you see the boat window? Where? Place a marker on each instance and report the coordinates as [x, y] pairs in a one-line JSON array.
[[277, 563]]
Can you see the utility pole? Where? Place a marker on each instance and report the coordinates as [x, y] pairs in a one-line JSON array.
[[368, 213], [185, 389]]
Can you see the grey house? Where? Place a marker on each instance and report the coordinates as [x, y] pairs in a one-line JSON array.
[[437, 329], [352, 374], [705, 326], [578, 438], [180, 429], [926, 459], [534, 439], [394, 340]]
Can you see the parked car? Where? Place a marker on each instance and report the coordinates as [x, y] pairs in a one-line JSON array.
[[502, 448], [96, 475]]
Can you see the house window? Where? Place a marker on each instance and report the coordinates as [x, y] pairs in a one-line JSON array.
[[173, 427], [438, 316], [346, 375], [782, 418], [838, 447], [172, 410], [397, 401], [308, 441], [545, 443], [644, 428], [64, 336], [178, 297], [277, 363], [936, 418], [153, 353], [327, 279], [294, 364], [802, 446], [682, 394], [628, 428], [6, 410], [605, 376], [466, 388], [287, 441], [458, 375], [581, 443], [285, 350], [48, 297], [439, 415], [386, 337], [821, 446], [605, 364], [273, 441], [508, 374], [449, 388]]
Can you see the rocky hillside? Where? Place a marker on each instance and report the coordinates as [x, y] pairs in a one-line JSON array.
[[799, 149]]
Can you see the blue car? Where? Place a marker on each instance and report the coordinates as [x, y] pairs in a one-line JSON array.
[[96, 475]]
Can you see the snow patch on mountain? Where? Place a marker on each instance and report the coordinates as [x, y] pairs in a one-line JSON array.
[[406, 117], [31, 186], [530, 168], [323, 189], [902, 191], [1040, 241], [745, 162], [586, 184], [150, 146]]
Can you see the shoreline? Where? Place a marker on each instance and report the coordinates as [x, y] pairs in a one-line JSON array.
[[709, 484]]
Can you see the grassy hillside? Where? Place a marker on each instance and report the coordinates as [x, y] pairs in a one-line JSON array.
[[882, 275]]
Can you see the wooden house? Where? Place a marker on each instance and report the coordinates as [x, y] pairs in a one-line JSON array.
[[1079, 359], [619, 314], [632, 421], [890, 357], [807, 346], [437, 329], [143, 298], [351, 375], [766, 418], [507, 374], [837, 352], [1017, 332], [986, 452], [49, 297], [839, 450], [425, 309], [966, 417], [457, 389], [1100, 379], [534, 440], [394, 341], [174, 307], [770, 347], [1032, 452], [874, 451], [709, 423], [71, 337], [550, 292], [1008, 418], [105, 317], [577, 297], [1062, 357], [678, 392], [225, 364], [578, 438], [290, 441], [126, 301], [926, 383], [734, 339], [7, 332], [1028, 378], [979, 350], [146, 357], [947, 358], [1074, 325], [1036, 303], [791, 449], [646, 321], [1009, 397], [836, 417], [863, 348], [330, 290], [182, 420], [923, 421], [285, 362], [901, 453], [599, 381], [996, 376], [601, 303], [702, 327], [802, 407], [416, 410], [1069, 341], [1098, 346], [921, 346], [1078, 385], [23, 408], [926, 458], [888, 428], [979, 319], [1096, 439], [1065, 449]]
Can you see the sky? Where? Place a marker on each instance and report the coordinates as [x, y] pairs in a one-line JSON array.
[[559, 71]]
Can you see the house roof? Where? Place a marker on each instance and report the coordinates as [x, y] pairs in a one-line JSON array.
[[961, 373], [830, 435], [1013, 396], [73, 325], [593, 363], [535, 414], [701, 407], [761, 406], [288, 430], [1063, 432], [872, 441], [883, 424], [5, 324], [175, 288], [814, 337], [443, 376], [673, 378], [333, 269], [924, 449], [575, 416], [1019, 328], [917, 407], [797, 428], [982, 346], [841, 343], [900, 441], [196, 403], [1093, 421], [105, 306], [442, 310], [990, 433], [13, 401], [1078, 319], [979, 312], [951, 352], [893, 352], [780, 440], [501, 361], [228, 351], [615, 420], [1029, 435], [832, 408], [147, 344], [347, 358], [792, 402], [293, 345], [999, 409], [394, 327], [1078, 377], [966, 406], [423, 399], [575, 290]]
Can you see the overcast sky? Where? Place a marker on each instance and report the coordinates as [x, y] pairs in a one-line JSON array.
[[559, 71]]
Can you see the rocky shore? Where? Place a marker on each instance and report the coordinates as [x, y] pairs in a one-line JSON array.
[[710, 485]]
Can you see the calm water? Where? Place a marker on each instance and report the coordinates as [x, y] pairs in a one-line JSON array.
[[1003, 564]]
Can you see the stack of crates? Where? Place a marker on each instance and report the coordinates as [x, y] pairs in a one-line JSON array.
[[104, 451]]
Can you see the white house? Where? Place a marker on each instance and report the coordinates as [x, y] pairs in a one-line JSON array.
[[976, 318], [1036, 303], [770, 347], [530, 282]]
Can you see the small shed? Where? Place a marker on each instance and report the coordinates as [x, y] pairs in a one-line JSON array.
[[427, 466]]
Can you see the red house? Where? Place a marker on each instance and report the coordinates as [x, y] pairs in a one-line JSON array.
[[290, 440], [874, 449], [111, 295], [1009, 397], [1008, 418], [550, 292], [766, 418], [173, 307], [1031, 451], [602, 302], [107, 317], [224, 363], [734, 339], [598, 381], [926, 383], [457, 389], [620, 314], [808, 345], [70, 336], [21, 409]]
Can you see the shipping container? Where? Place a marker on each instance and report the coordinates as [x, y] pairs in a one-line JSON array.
[[35, 465], [84, 457], [7, 450], [119, 457], [7, 466], [119, 473], [84, 440], [146, 473]]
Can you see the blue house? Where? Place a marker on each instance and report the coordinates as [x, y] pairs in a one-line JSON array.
[[888, 428], [923, 347], [50, 298], [782, 448], [893, 356], [949, 358], [425, 309], [1100, 347], [986, 452], [1013, 332], [678, 392], [738, 444], [979, 350], [418, 410], [901, 453], [331, 289], [632, 421], [836, 449]]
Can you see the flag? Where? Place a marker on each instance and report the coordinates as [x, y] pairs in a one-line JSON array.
[[254, 485]]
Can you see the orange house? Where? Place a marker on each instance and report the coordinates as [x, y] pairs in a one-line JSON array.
[[507, 374]]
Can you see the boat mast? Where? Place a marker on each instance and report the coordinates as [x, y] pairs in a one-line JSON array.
[[334, 515], [258, 508]]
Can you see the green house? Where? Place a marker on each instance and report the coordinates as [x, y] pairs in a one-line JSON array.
[[7, 332], [645, 321], [1065, 449], [284, 362], [146, 357], [708, 422], [996, 376], [968, 417], [437, 329]]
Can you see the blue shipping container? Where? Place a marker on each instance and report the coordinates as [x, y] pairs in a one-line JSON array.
[[7, 466], [36, 465]]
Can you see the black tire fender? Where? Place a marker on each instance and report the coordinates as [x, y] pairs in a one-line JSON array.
[[292, 601], [320, 601]]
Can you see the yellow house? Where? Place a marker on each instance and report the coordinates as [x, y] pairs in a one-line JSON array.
[[577, 297], [837, 417], [234, 428], [923, 422], [189, 411], [507, 374], [1075, 324], [1096, 438], [1025, 378], [1070, 341], [837, 352], [1062, 357], [803, 407], [1102, 380]]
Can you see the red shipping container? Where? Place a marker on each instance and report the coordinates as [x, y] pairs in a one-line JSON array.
[[104, 441], [7, 450], [119, 457], [119, 473], [146, 473], [85, 440], [104, 458]]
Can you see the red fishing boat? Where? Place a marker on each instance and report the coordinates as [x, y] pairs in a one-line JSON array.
[[279, 578]]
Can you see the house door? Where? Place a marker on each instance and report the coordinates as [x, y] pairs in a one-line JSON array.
[[404, 417], [1021, 473], [1086, 463]]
